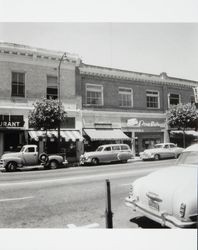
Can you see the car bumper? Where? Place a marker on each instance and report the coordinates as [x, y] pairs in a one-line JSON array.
[[2, 165], [85, 161], [146, 157], [164, 219]]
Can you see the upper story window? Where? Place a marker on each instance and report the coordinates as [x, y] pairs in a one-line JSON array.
[[152, 99], [173, 99], [125, 97], [52, 87], [94, 94], [18, 84]]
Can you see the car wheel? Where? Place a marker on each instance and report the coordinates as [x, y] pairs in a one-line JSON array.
[[124, 161], [95, 161], [11, 166], [43, 157], [157, 157], [53, 164]]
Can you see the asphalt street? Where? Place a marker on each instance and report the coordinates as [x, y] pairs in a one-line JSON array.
[[72, 197]]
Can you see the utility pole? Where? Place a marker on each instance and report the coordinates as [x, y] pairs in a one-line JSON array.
[[108, 212]]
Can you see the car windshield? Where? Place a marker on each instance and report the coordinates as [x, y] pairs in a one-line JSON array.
[[22, 149], [190, 157], [99, 149], [158, 146]]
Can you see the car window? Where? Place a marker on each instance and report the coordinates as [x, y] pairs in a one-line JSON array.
[[115, 147], [188, 158], [172, 146], [30, 150], [158, 146], [124, 147], [107, 149], [99, 149], [166, 146]]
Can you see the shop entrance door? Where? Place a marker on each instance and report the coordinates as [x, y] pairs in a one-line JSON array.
[[11, 141]]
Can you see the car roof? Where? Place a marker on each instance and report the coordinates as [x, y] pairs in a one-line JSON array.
[[118, 144], [193, 147]]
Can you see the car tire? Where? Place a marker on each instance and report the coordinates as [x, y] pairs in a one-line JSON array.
[[94, 161], [11, 166], [43, 157], [53, 164], [157, 157], [124, 161]]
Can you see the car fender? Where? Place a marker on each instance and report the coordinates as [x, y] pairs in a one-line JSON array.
[[18, 161], [58, 158]]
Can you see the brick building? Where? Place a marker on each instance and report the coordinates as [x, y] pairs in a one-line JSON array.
[[26, 75], [134, 103], [102, 104]]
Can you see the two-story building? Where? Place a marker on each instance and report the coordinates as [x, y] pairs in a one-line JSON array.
[[117, 101], [28, 74]]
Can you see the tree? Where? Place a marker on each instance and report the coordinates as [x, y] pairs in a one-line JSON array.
[[47, 114], [183, 116]]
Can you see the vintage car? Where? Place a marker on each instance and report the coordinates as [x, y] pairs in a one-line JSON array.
[[161, 151], [107, 153], [169, 196], [29, 156]]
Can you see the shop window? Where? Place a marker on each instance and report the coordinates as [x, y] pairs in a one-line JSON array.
[[152, 99], [18, 84], [94, 94], [52, 87], [125, 97], [173, 99]]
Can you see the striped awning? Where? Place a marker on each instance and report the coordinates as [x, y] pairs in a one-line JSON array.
[[106, 134], [68, 135], [187, 132]]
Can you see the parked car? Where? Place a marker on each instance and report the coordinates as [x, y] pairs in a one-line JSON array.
[[169, 196], [107, 153], [29, 156], [161, 151]]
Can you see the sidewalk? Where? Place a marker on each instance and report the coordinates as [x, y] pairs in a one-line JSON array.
[[135, 159]]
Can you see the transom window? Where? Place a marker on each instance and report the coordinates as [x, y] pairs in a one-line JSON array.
[[52, 87], [125, 97], [174, 99], [94, 94], [18, 84], [152, 99]]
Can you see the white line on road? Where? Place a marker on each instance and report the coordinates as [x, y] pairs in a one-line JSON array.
[[73, 226], [80, 178], [16, 199]]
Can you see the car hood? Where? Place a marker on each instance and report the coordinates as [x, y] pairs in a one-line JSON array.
[[92, 153], [167, 184], [9, 155], [152, 150]]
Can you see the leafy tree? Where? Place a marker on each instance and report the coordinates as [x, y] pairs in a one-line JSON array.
[[47, 114], [183, 116]]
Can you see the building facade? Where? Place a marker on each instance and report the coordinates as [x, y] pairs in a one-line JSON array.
[[104, 105], [135, 103], [29, 74]]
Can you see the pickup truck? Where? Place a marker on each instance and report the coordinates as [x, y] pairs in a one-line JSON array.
[[29, 156]]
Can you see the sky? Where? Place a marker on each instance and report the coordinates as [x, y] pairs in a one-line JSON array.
[[142, 47]]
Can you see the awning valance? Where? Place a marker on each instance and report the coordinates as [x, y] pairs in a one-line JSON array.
[[106, 134], [68, 135], [187, 132]]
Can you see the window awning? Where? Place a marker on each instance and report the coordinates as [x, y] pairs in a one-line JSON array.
[[68, 135], [106, 134], [187, 132]]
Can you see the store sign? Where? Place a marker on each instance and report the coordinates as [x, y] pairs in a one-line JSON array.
[[11, 121], [134, 122]]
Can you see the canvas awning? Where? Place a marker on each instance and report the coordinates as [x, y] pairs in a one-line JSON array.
[[106, 134], [187, 132], [68, 135]]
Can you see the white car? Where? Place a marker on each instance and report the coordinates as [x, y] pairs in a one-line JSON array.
[[107, 153], [169, 196], [161, 151]]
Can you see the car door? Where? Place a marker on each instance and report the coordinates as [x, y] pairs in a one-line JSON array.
[[115, 152], [30, 156], [125, 153], [106, 154]]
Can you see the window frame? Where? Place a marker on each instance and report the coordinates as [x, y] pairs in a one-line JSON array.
[[131, 95], [158, 96], [17, 84], [101, 91], [169, 98], [51, 86]]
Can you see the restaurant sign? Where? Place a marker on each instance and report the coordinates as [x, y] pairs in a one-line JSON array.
[[11, 121], [134, 122]]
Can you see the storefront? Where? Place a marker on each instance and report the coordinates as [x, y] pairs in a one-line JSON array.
[[11, 132], [146, 132]]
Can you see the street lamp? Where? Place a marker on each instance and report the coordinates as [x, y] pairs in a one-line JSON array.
[[63, 57]]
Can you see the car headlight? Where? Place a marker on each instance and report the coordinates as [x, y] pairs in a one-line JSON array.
[[182, 210]]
